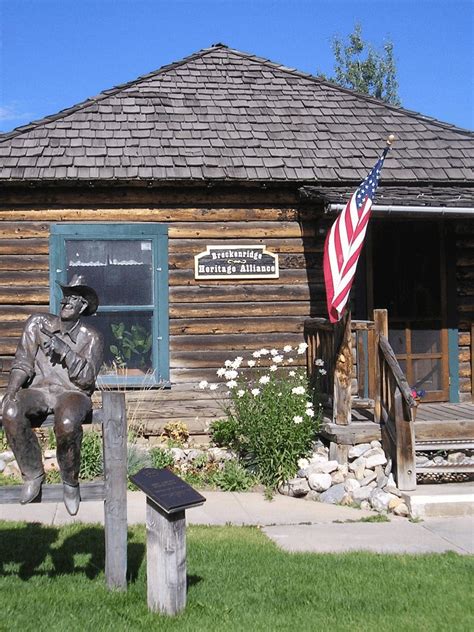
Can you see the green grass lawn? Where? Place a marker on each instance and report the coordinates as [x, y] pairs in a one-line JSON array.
[[53, 580]]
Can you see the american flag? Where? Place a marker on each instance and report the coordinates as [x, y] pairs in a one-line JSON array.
[[344, 242]]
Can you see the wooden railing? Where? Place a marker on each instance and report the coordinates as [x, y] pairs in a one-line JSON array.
[[397, 416], [347, 352]]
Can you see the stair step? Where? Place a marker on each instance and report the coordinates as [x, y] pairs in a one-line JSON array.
[[449, 499], [442, 469]]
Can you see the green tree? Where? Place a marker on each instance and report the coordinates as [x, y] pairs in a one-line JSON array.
[[360, 67]]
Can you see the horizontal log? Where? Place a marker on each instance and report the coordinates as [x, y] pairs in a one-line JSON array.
[[238, 342], [239, 230], [244, 325], [189, 214], [218, 291], [24, 262], [290, 245], [444, 430], [353, 434], [11, 328], [23, 230], [24, 246], [296, 277], [20, 312], [286, 261], [224, 310], [22, 295], [23, 278], [53, 493], [215, 359]]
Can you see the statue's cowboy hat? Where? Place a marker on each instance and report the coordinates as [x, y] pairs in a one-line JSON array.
[[78, 287]]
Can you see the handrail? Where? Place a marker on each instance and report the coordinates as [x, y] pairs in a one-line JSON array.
[[386, 349]]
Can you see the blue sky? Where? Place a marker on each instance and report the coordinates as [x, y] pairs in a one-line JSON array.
[[55, 53]]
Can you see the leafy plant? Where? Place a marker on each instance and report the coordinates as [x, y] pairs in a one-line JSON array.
[[233, 477], [161, 458], [92, 462], [271, 416], [137, 458], [132, 347], [223, 432], [53, 476], [177, 433]]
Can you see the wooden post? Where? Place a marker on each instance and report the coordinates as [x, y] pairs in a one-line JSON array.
[[114, 435], [166, 559], [472, 362], [381, 328], [405, 446], [342, 402]]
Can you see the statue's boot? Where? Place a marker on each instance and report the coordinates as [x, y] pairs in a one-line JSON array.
[[72, 498], [31, 489]]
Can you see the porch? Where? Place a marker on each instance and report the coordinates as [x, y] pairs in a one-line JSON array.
[[366, 397]]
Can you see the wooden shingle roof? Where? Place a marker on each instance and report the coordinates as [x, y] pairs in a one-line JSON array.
[[227, 116]]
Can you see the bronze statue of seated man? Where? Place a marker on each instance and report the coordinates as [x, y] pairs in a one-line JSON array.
[[56, 364]]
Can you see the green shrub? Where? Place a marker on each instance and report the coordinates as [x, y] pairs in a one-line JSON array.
[[92, 462], [271, 416], [161, 458], [137, 459], [233, 477], [223, 432]]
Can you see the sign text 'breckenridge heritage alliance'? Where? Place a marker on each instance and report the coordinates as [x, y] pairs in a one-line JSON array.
[[236, 262]]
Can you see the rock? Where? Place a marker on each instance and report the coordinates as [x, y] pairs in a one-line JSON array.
[[362, 493], [347, 499], [7, 456], [376, 459], [388, 467], [318, 458], [194, 454], [49, 454], [401, 510], [379, 500], [302, 473], [324, 466], [360, 473], [365, 505], [368, 479], [2, 465], [391, 489], [438, 460], [421, 459], [343, 468], [178, 454], [337, 477], [12, 469], [357, 464], [351, 484], [456, 457], [322, 451], [219, 454], [319, 481], [312, 495], [51, 464], [394, 502], [375, 444], [358, 450], [295, 487], [333, 495]]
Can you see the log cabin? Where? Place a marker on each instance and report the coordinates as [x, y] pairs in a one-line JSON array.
[[224, 154]]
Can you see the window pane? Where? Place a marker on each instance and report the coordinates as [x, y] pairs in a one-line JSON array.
[[120, 270], [427, 374], [128, 340], [425, 341]]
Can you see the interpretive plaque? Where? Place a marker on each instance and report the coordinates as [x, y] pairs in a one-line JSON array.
[[236, 262], [167, 490]]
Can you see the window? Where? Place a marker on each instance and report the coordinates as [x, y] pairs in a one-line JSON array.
[[127, 265]]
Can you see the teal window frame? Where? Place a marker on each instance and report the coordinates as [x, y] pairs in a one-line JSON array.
[[158, 235]]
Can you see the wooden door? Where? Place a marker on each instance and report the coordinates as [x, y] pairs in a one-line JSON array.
[[409, 281]]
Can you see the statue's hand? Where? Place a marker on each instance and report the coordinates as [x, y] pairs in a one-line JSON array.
[[55, 345]]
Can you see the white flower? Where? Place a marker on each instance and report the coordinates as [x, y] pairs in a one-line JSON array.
[[277, 359], [292, 373], [237, 362], [302, 463], [273, 368], [251, 363], [230, 375], [319, 362], [301, 348], [298, 390], [264, 379], [203, 384], [322, 371], [273, 352], [290, 360], [213, 387], [255, 392], [264, 351], [298, 419], [309, 412], [231, 384], [302, 377], [240, 393], [256, 354], [287, 348], [309, 405], [280, 394], [228, 363], [220, 372]]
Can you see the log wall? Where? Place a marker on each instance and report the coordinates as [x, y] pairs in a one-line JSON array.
[[210, 321], [465, 293]]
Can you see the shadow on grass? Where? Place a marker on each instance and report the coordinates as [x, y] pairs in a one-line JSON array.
[[33, 549]]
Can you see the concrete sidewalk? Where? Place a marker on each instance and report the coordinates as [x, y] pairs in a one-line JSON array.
[[294, 524]]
